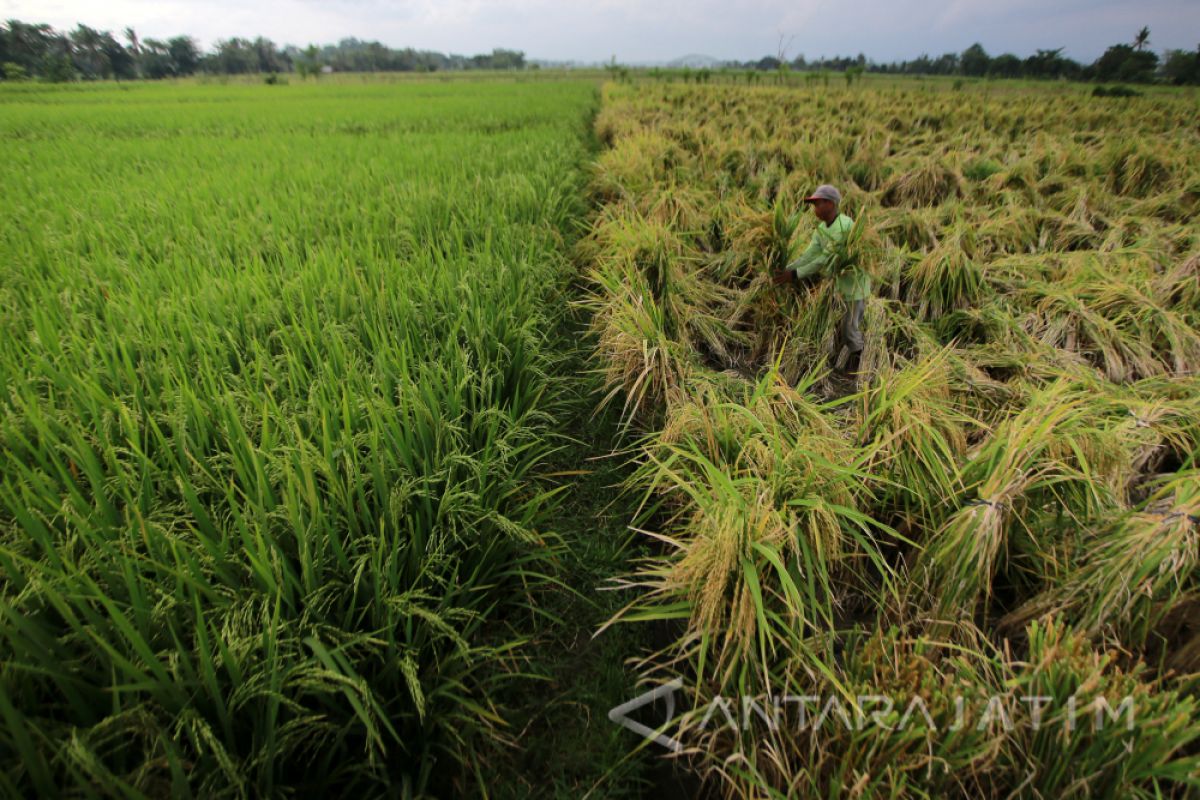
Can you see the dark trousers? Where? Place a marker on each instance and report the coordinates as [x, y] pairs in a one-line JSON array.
[[850, 333]]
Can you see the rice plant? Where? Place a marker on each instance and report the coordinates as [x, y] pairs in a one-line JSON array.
[[272, 435], [1004, 490]]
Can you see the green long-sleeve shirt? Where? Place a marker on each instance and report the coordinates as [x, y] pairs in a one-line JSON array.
[[852, 282]]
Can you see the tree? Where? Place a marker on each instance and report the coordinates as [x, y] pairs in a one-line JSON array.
[[308, 62], [1142, 39], [31, 45], [1050, 64], [974, 61], [234, 56], [507, 59], [270, 58], [921, 65], [1182, 67], [156, 60], [96, 54], [135, 50], [184, 54], [87, 53], [121, 63], [947, 64], [1122, 62], [1005, 66], [58, 68]]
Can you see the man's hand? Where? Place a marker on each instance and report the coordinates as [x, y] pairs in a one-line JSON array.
[[782, 276]]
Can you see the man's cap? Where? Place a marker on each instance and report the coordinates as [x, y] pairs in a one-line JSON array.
[[825, 192]]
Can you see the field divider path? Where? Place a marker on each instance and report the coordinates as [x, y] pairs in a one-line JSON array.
[[567, 745]]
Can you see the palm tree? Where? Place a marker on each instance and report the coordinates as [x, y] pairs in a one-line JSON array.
[[1142, 39], [135, 50]]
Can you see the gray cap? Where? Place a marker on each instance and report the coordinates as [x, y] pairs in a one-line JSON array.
[[825, 192]]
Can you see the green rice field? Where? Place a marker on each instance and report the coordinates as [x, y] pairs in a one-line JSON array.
[[277, 394]]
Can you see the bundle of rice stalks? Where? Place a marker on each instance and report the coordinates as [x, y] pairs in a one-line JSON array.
[[762, 495], [682, 208], [880, 723], [1178, 288], [637, 355], [1130, 169], [724, 415], [892, 337], [1009, 228], [1019, 178], [769, 429], [963, 555], [904, 716], [1092, 716], [1075, 223], [877, 356], [927, 185], [946, 278], [1172, 340], [1092, 468], [734, 548], [751, 561], [1133, 570], [631, 169], [635, 254], [915, 437], [1060, 318], [784, 223], [868, 163], [1114, 322], [798, 330], [1091, 477], [1152, 427], [915, 229], [759, 241]]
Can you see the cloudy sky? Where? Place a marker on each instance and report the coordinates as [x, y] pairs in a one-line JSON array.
[[651, 30]]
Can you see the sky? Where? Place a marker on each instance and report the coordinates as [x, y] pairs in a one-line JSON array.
[[638, 31]]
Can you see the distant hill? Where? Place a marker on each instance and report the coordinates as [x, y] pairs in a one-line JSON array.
[[695, 61], [691, 61]]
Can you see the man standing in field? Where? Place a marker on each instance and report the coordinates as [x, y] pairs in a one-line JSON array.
[[826, 254]]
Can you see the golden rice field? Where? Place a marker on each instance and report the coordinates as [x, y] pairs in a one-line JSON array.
[[1004, 504]]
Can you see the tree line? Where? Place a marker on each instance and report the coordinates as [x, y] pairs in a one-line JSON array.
[[1131, 62], [39, 51]]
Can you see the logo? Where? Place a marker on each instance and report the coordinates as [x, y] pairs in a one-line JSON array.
[[881, 712], [619, 714]]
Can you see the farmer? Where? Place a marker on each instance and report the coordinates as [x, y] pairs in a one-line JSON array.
[[853, 283]]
